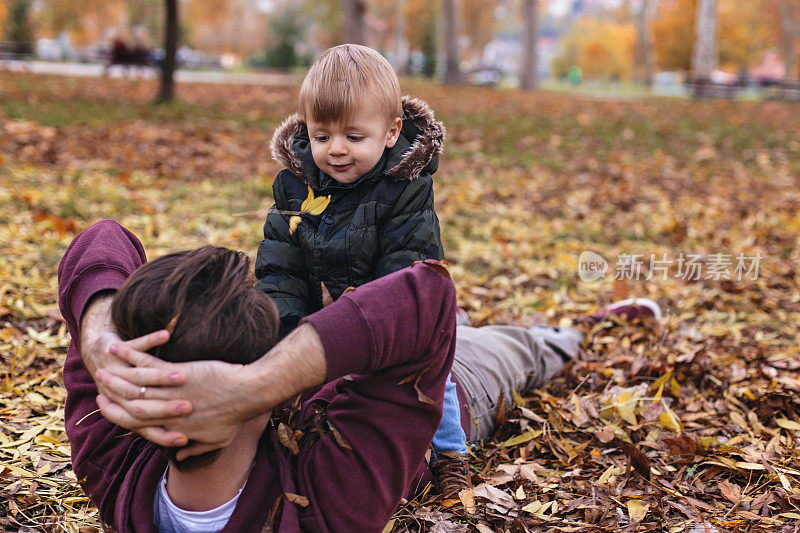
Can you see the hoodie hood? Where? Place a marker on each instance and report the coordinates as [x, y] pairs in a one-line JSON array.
[[416, 151]]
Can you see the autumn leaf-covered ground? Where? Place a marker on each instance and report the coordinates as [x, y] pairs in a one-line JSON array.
[[687, 424]]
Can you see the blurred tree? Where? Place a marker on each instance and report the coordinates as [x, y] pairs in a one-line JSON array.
[[744, 33], [286, 32], [19, 30], [428, 45], [224, 26], [420, 31], [673, 29], [354, 25], [85, 21], [600, 48], [167, 90], [643, 53], [746, 30], [3, 13], [530, 34], [478, 26], [326, 19], [452, 74], [145, 14], [790, 34], [705, 56]]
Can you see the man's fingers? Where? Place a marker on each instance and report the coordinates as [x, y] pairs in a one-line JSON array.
[[137, 414], [118, 387], [132, 356], [148, 377], [151, 340], [163, 437]]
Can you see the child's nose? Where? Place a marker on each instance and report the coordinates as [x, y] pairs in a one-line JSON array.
[[338, 146]]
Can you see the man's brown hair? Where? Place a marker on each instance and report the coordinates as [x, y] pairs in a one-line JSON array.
[[343, 78], [208, 298]]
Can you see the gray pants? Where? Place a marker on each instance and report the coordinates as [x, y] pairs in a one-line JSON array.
[[492, 359]]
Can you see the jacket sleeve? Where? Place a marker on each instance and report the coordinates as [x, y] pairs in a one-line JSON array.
[[280, 266], [398, 358], [103, 454], [412, 231]]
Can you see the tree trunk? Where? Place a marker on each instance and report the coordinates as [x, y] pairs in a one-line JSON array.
[[167, 91], [530, 34], [354, 12], [790, 34], [450, 16], [705, 45], [644, 44], [400, 45]]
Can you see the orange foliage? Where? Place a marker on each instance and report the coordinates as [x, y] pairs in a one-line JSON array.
[[745, 30], [601, 48], [477, 24]]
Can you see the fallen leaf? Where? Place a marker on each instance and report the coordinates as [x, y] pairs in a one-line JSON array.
[[296, 499], [286, 437], [637, 510]]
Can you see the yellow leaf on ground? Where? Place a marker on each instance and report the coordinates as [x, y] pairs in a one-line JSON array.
[[637, 510], [533, 507], [519, 439], [785, 423], [668, 419], [625, 404], [467, 498]]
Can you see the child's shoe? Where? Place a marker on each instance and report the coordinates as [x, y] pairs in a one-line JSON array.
[[630, 309], [451, 473]]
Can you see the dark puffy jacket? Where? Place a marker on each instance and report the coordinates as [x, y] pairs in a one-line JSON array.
[[382, 222]]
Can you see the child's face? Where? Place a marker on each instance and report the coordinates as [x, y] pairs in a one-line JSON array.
[[346, 152]]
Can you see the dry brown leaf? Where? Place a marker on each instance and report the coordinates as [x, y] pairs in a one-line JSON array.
[[296, 499]]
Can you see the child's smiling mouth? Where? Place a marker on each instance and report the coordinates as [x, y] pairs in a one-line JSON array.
[[342, 168]]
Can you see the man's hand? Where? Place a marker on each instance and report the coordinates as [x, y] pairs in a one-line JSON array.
[[217, 410], [99, 341], [97, 334], [222, 395]]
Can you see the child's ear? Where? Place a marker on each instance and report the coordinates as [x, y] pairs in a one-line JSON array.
[[394, 132]]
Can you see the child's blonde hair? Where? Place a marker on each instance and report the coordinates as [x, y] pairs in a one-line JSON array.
[[343, 78]]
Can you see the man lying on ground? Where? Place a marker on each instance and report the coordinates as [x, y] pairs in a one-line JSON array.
[[340, 461]]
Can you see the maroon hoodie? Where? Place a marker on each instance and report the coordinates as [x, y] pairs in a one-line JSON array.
[[397, 327]]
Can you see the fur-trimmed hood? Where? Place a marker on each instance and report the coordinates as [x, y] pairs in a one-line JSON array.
[[416, 151]]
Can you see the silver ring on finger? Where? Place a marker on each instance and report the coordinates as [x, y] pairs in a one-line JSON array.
[[141, 392]]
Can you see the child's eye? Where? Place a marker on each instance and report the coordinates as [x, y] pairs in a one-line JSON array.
[[355, 138], [321, 138]]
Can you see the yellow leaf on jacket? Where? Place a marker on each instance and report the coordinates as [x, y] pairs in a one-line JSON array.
[[314, 205], [309, 198], [293, 222]]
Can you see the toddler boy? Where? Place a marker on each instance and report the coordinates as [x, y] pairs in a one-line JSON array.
[[371, 152]]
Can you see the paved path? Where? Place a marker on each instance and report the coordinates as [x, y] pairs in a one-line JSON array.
[[95, 70]]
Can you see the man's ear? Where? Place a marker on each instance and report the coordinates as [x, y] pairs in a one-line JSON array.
[[394, 132]]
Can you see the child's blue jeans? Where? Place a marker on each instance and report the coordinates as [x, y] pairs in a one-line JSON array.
[[450, 436]]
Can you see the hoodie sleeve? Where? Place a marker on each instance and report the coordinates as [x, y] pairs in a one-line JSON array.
[[412, 231], [280, 266], [383, 417], [103, 454]]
